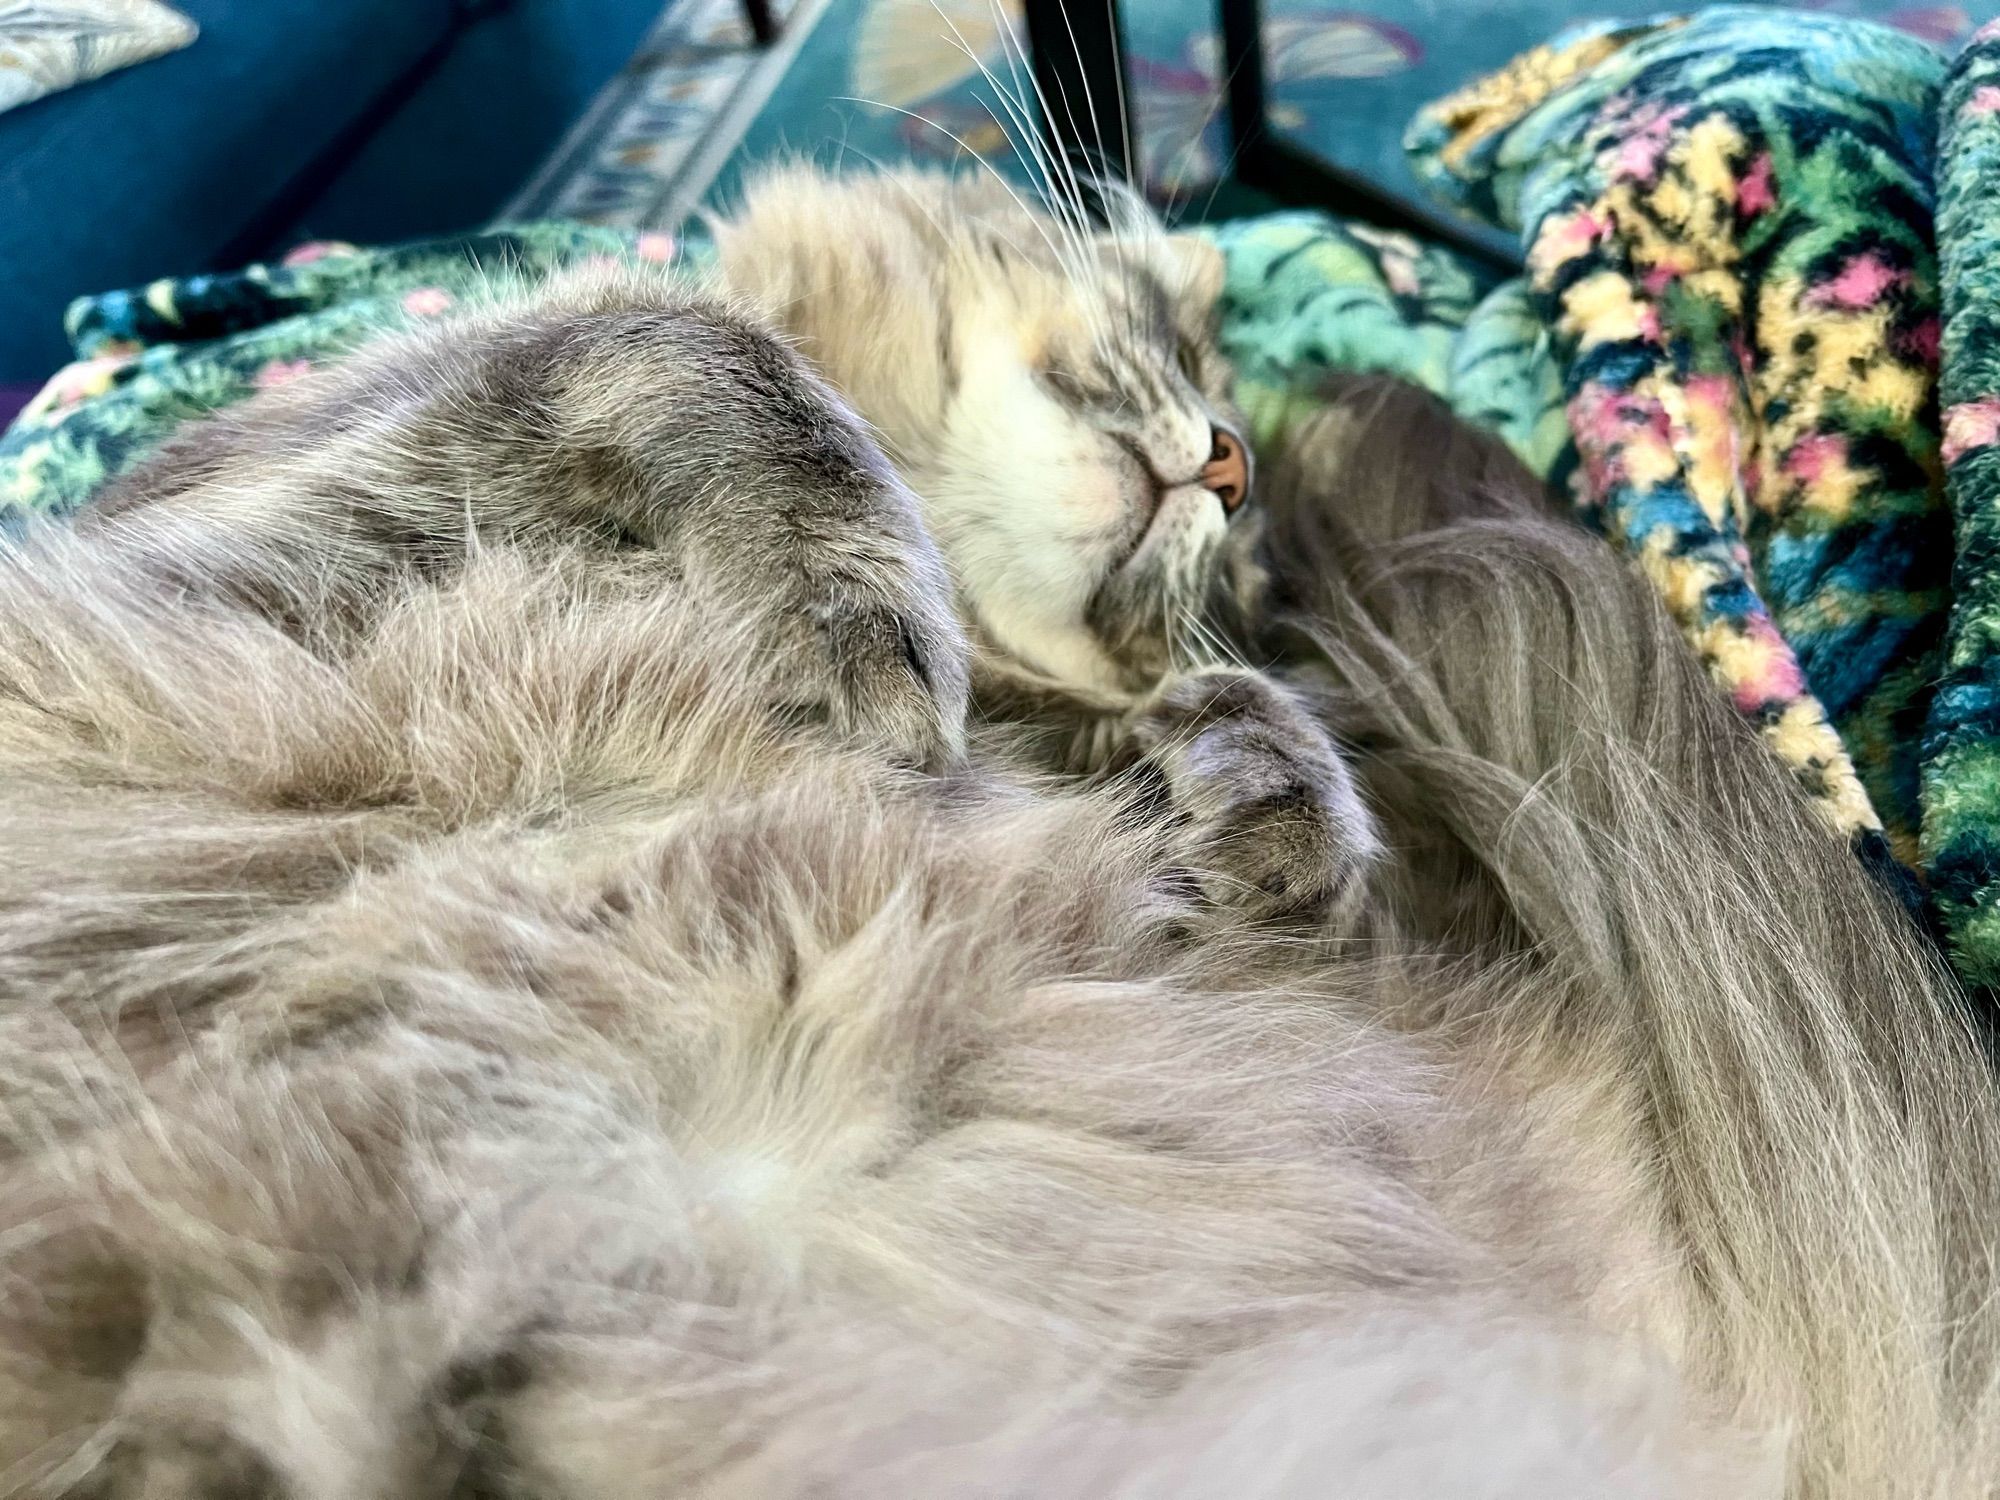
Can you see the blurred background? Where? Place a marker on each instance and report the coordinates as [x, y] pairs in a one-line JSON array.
[[140, 139]]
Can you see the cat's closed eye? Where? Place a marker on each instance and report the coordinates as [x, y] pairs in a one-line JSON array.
[[1072, 389]]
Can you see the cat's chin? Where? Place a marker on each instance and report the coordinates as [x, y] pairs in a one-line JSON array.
[[1188, 520]]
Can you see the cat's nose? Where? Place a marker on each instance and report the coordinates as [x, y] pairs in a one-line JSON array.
[[1227, 472]]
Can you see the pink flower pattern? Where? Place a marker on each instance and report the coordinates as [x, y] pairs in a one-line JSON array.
[[427, 302], [318, 250], [280, 372], [1754, 193], [1969, 426], [1862, 282]]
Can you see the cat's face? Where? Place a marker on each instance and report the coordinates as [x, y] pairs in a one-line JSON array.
[[1054, 397], [1089, 464]]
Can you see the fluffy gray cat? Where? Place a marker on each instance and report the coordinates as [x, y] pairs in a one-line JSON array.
[[519, 975]]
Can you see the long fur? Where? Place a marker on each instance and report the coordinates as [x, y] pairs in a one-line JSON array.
[[485, 1051], [593, 1099], [1821, 1124]]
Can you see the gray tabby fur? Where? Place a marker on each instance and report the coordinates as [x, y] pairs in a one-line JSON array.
[[518, 976]]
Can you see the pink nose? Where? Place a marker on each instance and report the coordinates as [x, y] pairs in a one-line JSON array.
[[1228, 470]]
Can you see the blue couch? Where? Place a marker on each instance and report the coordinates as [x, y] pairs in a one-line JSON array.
[[366, 120]]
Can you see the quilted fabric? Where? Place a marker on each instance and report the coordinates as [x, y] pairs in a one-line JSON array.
[[1728, 228], [151, 358], [1306, 294], [48, 45], [1962, 750]]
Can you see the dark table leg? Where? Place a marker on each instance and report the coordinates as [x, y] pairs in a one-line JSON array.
[[1243, 75], [1267, 162], [1079, 56], [763, 24], [1293, 175], [1079, 42]]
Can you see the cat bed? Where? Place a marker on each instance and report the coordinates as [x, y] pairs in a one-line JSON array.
[[1725, 348]]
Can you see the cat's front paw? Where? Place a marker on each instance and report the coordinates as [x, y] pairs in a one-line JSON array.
[[1270, 822]]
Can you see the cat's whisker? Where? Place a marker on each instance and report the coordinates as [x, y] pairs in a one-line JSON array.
[[1028, 146], [1184, 638], [1065, 171], [971, 151], [1209, 650], [1090, 110], [1187, 632], [1075, 267], [1217, 99], [1129, 193], [1064, 188], [1018, 128], [1061, 171], [1220, 650], [1138, 166], [1176, 647], [1225, 647]]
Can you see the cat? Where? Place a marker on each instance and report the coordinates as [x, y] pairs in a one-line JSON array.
[[521, 975], [1054, 393]]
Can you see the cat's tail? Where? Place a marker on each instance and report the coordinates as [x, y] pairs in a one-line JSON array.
[[1823, 1124]]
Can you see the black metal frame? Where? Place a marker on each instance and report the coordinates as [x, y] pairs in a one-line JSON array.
[[1079, 63], [763, 23], [1079, 54]]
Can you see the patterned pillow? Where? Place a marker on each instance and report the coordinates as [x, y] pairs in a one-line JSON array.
[[46, 45]]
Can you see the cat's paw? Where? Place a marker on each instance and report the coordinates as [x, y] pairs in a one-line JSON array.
[[893, 665], [1270, 823]]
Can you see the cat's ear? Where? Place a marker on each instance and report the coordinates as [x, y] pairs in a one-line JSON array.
[[1193, 270]]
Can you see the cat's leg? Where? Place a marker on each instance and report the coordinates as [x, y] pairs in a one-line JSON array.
[[1267, 811], [606, 413], [697, 433]]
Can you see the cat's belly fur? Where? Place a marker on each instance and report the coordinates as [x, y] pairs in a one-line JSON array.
[[504, 1084]]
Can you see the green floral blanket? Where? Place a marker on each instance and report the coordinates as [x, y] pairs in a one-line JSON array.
[[1961, 746], [1732, 224], [1727, 226], [147, 360]]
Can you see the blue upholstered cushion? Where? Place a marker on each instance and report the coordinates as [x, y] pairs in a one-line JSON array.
[[466, 142], [161, 169]]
